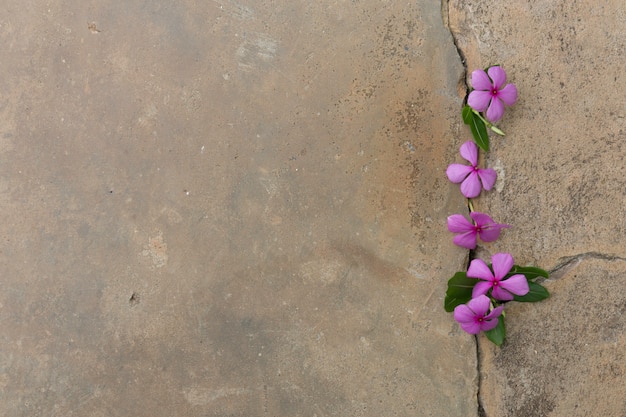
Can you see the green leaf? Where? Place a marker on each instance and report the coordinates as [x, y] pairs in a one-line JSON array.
[[498, 333], [479, 131], [477, 126], [537, 293], [467, 115], [530, 272], [459, 291]]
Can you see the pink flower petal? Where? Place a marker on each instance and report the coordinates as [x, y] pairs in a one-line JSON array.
[[465, 240], [471, 327], [479, 305], [495, 111], [463, 314], [481, 219], [479, 100], [467, 318], [489, 325], [517, 284], [457, 172], [491, 232], [480, 80], [494, 313], [481, 288], [488, 177], [497, 75], [471, 186], [459, 224], [479, 269], [469, 151], [501, 264], [508, 94], [501, 294]]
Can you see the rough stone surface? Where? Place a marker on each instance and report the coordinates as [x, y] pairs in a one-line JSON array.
[[222, 208], [561, 166], [564, 357], [562, 187]]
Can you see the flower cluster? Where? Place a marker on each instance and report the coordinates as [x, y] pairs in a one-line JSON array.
[[477, 296]]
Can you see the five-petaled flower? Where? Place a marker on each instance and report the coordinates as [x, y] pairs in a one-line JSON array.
[[501, 289], [473, 317], [470, 176], [483, 227], [490, 93]]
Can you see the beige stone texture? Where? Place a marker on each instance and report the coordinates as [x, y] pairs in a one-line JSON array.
[[565, 356], [229, 208], [562, 185]]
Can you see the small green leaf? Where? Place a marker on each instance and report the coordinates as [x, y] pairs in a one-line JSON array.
[[479, 131], [467, 115], [498, 333], [537, 292], [459, 291], [477, 126], [531, 272]]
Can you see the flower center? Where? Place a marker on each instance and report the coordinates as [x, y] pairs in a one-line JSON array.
[[494, 92]]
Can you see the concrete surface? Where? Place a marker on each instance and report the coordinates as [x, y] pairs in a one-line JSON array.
[[562, 186], [222, 208], [564, 357]]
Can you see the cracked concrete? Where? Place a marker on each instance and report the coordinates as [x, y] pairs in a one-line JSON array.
[[563, 357], [569, 262], [464, 88], [561, 185], [238, 208]]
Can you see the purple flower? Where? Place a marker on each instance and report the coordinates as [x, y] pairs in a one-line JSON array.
[[501, 289], [483, 226], [489, 93], [470, 176], [473, 316]]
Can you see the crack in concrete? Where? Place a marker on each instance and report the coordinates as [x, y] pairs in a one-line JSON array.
[[445, 13], [566, 263]]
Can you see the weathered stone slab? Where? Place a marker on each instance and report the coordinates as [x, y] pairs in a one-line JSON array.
[[565, 356], [562, 187], [229, 209], [562, 176]]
